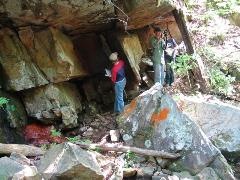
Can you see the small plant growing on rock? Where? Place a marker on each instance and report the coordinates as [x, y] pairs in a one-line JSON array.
[[73, 139], [129, 159], [3, 101], [55, 133], [220, 82]]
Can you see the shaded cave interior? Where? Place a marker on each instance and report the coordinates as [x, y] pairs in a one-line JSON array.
[[92, 50]]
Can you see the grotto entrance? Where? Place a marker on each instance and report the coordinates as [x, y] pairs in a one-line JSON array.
[[54, 58]]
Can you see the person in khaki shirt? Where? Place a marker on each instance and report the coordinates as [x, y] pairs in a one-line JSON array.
[[158, 45]]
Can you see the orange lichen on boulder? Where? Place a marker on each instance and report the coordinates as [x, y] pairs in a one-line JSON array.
[[131, 107], [162, 115]]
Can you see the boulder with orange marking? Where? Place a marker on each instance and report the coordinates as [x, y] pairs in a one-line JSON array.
[[153, 121]]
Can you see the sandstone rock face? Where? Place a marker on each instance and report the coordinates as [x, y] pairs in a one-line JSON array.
[[53, 102], [73, 16], [153, 121], [133, 50], [54, 54], [219, 121], [19, 71], [13, 119], [11, 169], [77, 16], [68, 161], [145, 12]]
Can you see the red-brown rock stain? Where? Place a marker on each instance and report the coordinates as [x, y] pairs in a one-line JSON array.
[[38, 134]]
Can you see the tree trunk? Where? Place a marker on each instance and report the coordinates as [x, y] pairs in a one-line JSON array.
[[21, 149], [199, 74], [121, 148]]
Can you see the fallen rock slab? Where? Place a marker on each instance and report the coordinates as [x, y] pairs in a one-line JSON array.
[[69, 161], [11, 169]]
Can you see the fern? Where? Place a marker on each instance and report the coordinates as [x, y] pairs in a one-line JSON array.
[[3, 101]]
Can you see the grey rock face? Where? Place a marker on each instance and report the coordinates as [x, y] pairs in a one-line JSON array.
[[54, 102], [11, 169], [71, 162], [18, 69], [219, 121], [13, 119], [153, 121]]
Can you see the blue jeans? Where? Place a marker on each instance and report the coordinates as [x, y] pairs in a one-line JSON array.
[[119, 88], [158, 73]]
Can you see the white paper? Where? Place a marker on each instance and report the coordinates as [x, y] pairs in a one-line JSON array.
[[108, 73]]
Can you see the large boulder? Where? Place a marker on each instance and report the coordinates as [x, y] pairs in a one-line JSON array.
[[153, 121], [13, 119], [19, 72], [219, 121], [11, 169], [53, 102], [54, 54], [68, 161]]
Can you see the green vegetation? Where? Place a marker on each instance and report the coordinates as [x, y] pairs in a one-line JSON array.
[[219, 39], [207, 17], [220, 83], [183, 65], [190, 4], [44, 147], [5, 104], [129, 159], [3, 101], [223, 7], [85, 141], [73, 139], [55, 133]]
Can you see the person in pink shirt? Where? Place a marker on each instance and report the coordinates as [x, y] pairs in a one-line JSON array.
[[119, 80]]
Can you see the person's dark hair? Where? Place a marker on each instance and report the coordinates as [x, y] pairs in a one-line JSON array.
[[157, 29]]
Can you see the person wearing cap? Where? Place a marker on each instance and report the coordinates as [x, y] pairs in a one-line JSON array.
[[119, 80], [158, 45]]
